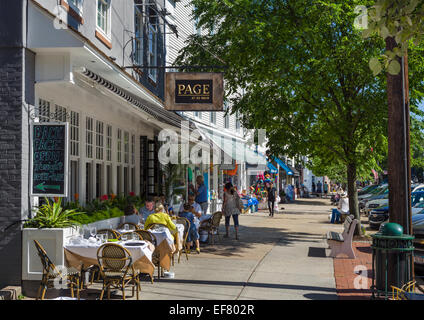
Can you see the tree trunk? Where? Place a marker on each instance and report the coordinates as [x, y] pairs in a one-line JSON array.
[[399, 148], [353, 196]]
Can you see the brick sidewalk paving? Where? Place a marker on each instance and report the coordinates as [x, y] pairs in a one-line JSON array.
[[347, 279]]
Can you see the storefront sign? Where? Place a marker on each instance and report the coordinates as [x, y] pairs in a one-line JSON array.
[[49, 159], [194, 91]]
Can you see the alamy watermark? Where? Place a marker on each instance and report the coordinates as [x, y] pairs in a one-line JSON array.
[[207, 147]]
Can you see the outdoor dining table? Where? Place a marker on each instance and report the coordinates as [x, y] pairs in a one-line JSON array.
[[84, 254], [166, 245]]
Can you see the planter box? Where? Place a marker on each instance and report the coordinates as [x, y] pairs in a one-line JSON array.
[[53, 241]]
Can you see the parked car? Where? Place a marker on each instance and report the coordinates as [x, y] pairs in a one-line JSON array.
[[418, 231], [379, 201], [417, 187], [381, 190], [367, 189], [381, 214]]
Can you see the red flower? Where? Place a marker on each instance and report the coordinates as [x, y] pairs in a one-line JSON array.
[[132, 194], [104, 197]]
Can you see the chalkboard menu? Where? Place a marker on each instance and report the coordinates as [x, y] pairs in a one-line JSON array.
[[49, 159]]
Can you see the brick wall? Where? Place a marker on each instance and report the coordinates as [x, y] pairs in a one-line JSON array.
[[11, 86], [12, 90]]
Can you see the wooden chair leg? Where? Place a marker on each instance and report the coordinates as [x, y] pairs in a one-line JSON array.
[[44, 292], [72, 288], [78, 289], [39, 291], [123, 290], [103, 291]]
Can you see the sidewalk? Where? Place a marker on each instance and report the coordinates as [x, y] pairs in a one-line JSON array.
[[279, 258], [354, 276]]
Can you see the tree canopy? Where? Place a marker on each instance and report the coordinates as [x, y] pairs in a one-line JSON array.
[[300, 70]]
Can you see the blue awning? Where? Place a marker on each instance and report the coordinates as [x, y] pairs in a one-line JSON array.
[[284, 166], [271, 167]]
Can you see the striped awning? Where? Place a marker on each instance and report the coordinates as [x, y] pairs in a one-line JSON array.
[[158, 113]]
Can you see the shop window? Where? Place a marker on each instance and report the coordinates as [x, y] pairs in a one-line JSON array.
[[74, 124], [119, 179], [138, 39], [133, 179], [43, 110], [152, 54], [103, 17], [99, 140], [99, 179], [126, 180], [60, 113], [126, 147], [89, 137], [88, 181], [74, 180], [119, 145], [133, 150], [109, 143], [109, 188]]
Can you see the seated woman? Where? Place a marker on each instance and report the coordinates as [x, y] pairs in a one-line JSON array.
[[193, 234], [160, 217], [130, 215]]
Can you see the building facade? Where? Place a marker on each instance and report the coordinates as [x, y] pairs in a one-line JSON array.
[[97, 66]]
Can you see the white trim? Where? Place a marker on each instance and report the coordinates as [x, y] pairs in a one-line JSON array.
[[106, 33]]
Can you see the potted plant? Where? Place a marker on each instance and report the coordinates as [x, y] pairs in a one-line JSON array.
[[51, 226]]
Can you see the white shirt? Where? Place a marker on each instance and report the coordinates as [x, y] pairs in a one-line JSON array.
[[344, 204]]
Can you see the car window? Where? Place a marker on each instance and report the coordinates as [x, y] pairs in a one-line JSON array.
[[417, 198]]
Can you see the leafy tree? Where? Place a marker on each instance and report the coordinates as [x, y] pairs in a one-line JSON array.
[[304, 72]]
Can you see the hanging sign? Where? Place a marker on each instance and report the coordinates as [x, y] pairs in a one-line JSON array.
[[49, 159], [194, 91]]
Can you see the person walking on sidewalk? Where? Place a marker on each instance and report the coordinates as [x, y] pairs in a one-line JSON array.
[[202, 194], [271, 198], [231, 208]]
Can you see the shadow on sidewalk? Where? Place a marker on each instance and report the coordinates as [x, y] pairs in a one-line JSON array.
[[253, 236], [251, 284]]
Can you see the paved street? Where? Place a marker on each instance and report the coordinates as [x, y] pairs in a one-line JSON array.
[[276, 258]]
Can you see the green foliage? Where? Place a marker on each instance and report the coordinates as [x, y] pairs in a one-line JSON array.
[[52, 215], [397, 19], [107, 213]]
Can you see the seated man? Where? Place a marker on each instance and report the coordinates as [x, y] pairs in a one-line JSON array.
[[343, 207], [160, 217], [193, 234], [131, 215], [147, 210]]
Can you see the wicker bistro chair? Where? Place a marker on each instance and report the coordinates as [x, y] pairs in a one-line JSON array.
[[110, 233], [131, 235], [132, 226], [51, 273], [117, 269], [186, 223], [148, 236], [212, 226], [407, 292]]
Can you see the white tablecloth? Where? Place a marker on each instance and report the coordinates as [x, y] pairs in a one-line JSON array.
[[90, 250], [87, 254]]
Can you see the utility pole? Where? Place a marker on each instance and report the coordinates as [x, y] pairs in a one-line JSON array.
[[399, 168]]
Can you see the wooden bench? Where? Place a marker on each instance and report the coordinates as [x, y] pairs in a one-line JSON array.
[[341, 243]]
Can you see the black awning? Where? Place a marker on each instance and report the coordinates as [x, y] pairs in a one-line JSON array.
[[158, 113]]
